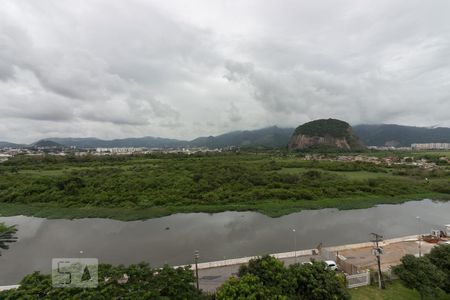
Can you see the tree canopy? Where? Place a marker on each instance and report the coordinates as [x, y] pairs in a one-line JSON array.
[[267, 278], [317, 282], [440, 257], [7, 236], [144, 283], [420, 274]]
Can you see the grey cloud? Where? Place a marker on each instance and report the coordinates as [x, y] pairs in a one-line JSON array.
[[149, 67], [234, 113]]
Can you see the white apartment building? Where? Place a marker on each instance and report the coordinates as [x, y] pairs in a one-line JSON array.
[[431, 146], [121, 150]]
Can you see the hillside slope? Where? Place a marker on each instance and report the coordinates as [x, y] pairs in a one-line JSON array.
[[271, 137], [398, 135]]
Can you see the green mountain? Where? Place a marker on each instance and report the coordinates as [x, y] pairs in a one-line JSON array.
[[325, 133], [271, 137], [147, 142], [47, 144], [10, 145], [400, 136]]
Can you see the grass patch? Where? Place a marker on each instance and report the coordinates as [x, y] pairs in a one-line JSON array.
[[393, 291]]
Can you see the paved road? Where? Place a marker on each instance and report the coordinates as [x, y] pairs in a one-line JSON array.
[[211, 279]]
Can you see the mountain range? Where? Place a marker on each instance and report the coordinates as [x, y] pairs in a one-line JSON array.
[[270, 137], [400, 136]]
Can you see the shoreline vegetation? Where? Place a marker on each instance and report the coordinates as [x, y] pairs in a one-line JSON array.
[[274, 183], [272, 209]]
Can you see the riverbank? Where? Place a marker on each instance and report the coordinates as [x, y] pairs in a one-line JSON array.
[[235, 234], [270, 208]]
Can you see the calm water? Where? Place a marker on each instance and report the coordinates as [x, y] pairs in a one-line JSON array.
[[217, 236]]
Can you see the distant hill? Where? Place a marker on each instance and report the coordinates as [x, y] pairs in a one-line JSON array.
[[47, 144], [148, 142], [325, 133], [400, 136], [271, 137], [10, 145]]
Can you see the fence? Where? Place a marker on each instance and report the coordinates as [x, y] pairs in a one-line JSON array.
[[388, 275], [347, 267], [357, 280], [327, 254], [341, 262]]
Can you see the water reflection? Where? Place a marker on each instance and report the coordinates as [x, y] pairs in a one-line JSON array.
[[217, 236]]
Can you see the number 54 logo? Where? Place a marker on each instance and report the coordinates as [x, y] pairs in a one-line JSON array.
[[75, 272]]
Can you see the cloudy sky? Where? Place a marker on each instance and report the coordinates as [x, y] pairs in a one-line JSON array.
[[182, 69]]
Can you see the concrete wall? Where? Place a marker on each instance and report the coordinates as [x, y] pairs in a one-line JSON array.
[[244, 260], [8, 287]]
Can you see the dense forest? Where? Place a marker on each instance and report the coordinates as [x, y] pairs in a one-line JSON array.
[[274, 184]]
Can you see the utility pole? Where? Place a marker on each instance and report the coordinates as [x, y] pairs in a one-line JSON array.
[[377, 251], [295, 245], [420, 236], [196, 257]]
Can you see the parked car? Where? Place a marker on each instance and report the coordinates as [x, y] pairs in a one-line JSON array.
[[331, 264]]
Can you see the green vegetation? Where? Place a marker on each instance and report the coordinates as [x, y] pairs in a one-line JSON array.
[[324, 127], [7, 236], [420, 274], [428, 275], [440, 257], [394, 291], [138, 187], [143, 283], [267, 278]]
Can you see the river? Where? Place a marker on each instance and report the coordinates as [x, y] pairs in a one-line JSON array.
[[174, 239]]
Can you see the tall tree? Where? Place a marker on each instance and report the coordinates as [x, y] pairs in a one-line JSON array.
[[420, 274], [248, 287], [440, 257], [316, 281], [271, 272]]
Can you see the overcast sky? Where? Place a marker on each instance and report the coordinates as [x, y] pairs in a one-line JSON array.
[[182, 69]]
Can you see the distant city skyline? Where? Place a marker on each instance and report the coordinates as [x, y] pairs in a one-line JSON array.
[[184, 69]]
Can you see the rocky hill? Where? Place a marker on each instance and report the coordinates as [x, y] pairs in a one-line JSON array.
[[325, 133]]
